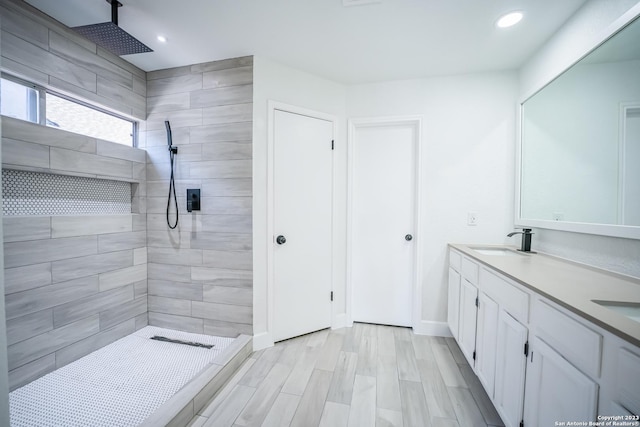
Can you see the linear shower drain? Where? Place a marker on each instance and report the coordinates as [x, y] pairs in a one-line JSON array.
[[174, 341]]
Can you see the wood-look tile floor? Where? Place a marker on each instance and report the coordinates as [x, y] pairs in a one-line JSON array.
[[367, 375]]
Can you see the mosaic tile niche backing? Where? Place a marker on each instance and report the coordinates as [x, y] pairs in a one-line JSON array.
[[31, 193]]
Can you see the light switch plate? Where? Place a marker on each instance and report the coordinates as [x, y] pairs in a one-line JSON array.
[[472, 218]]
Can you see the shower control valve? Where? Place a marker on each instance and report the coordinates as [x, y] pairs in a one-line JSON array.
[[193, 199]]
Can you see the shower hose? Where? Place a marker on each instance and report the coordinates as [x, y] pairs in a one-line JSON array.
[[172, 185]]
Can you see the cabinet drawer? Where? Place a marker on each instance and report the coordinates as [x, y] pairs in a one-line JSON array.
[[574, 341], [455, 259], [470, 270], [510, 298], [628, 381]]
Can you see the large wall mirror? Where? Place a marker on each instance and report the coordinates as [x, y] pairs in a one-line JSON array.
[[580, 144]]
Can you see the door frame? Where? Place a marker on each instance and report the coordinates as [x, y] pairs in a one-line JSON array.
[[416, 286], [625, 107], [272, 107]]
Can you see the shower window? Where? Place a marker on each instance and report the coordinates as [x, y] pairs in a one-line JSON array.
[[19, 101], [30, 102], [75, 117]]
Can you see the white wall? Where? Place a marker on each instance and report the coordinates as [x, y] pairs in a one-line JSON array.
[[276, 82], [570, 43], [468, 150], [468, 141]]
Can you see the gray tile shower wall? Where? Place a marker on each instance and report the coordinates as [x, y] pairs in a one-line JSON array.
[[76, 283], [41, 50], [200, 274], [73, 283]]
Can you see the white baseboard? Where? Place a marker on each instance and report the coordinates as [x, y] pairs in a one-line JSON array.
[[339, 321], [265, 339], [434, 329], [425, 327], [262, 340]]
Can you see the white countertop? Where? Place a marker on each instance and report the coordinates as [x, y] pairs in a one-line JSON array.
[[572, 285]]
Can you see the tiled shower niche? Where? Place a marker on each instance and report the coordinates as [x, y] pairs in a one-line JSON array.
[[33, 193]]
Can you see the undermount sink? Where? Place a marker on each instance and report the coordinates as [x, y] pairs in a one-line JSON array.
[[627, 309], [496, 251]]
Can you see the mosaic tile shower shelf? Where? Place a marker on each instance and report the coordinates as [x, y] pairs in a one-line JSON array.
[[32, 193]]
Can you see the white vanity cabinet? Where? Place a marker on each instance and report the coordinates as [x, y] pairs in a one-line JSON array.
[[486, 338], [511, 356], [626, 387], [619, 381], [490, 336], [563, 368], [453, 301], [468, 309], [468, 317], [542, 353], [557, 390], [501, 360], [627, 381]]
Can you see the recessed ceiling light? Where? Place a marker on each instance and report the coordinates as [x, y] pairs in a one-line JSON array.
[[162, 39], [509, 19]]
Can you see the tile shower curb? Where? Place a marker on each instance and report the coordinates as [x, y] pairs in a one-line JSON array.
[[183, 406]]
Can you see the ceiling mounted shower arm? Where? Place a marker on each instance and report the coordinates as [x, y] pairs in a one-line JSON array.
[[115, 4]]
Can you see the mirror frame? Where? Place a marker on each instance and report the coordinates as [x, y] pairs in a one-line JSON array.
[[624, 231]]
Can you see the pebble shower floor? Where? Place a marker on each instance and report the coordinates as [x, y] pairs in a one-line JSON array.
[[118, 385]]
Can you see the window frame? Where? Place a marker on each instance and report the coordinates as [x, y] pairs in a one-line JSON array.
[[42, 106]]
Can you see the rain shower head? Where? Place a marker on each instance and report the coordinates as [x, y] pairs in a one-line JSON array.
[[111, 37]]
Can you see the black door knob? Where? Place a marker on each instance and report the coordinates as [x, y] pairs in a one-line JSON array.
[[281, 240], [408, 237]]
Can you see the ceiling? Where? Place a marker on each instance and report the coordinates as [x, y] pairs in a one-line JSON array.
[[387, 40]]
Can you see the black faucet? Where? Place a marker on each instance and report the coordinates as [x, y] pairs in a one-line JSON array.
[[526, 239]]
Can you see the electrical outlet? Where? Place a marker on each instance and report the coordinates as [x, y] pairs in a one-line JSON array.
[[472, 218]]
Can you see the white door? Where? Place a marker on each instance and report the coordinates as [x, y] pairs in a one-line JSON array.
[[556, 390], [383, 187], [511, 367], [467, 325], [486, 341], [302, 221], [453, 302]]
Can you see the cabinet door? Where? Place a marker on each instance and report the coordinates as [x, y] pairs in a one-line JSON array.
[[453, 302], [556, 390], [467, 326], [627, 384], [510, 375], [486, 341]]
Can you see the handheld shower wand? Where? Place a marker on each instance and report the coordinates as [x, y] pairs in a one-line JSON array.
[[172, 185]]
